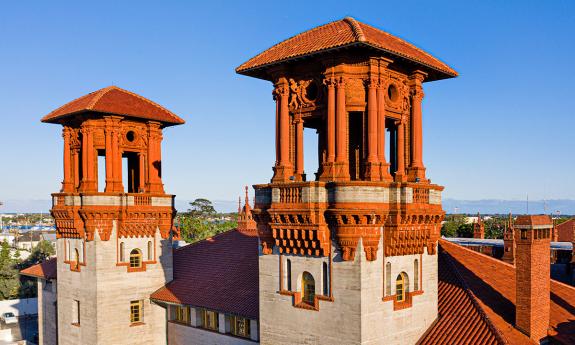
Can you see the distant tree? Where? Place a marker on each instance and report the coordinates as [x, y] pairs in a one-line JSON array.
[[9, 282], [465, 231], [495, 226], [202, 221], [452, 224], [202, 208]]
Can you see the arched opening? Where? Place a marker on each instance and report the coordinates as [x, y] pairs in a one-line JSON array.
[[388, 279], [135, 258], [150, 251], [122, 255], [415, 274], [76, 258], [401, 287], [307, 288]]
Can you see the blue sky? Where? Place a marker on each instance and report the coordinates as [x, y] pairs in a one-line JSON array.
[[503, 129]]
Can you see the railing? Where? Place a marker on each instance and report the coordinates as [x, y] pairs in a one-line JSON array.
[[420, 195], [290, 195], [142, 200]]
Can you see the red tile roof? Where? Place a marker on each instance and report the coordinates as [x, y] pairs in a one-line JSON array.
[[566, 231], [117, 101], [220, 273], [345, 33], [491, 282], [44, 270], [534, 220]]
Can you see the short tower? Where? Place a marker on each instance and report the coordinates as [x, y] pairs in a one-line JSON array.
[[246, 223], [532, 275], [479, 228], [508, 242], [113, 219]]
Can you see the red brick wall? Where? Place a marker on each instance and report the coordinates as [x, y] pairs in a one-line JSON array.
[[566, 231]]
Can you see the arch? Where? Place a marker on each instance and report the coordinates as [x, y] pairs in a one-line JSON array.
[[122, 252], [415, 275], [401, 287], [307, 288], [150, 251], [136, 258], [388, 279]]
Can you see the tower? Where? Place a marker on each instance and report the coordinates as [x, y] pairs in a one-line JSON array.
[[350, 255], [509, 242], [246, 222], [478, 228], [532, 275], [113, 219]]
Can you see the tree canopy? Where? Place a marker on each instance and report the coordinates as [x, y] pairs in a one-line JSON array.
[[203, 221]]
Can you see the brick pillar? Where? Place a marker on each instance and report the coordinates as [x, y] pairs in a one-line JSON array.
[[509, 243], [154, 158], [283, 169], [400, 156], [299, 148], [416, 168], [68, 182], [341, 157], [532, 275], [328, 171], [372, 168], [384, 166], [88, 161]]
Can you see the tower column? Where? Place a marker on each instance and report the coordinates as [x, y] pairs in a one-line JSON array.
[[416, 169], [341, 158], [384, 166], [88, 167], [284, 169], [116, 161], [400, 156], [299, 149], [109, 160], [142, 177], [67, 183], [154, 158], [372, 169], [328, 166]]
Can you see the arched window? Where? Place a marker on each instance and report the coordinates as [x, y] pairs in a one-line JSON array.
[[388, 279], [401, 287], [307, 288], [122, 255], [415, 275], [135, 258], [150, 251], [76, 258], [288, 274]]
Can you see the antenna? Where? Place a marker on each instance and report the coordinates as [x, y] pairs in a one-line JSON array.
[[527, 203]]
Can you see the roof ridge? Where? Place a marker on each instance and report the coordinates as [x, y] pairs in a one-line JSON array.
[[356, 28], [473, 300], [206, 239], [443, 240], [98, 97], [446, 67]]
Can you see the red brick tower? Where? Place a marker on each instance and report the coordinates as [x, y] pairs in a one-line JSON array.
[[246, 222], [478, 228], [532, 275], [509, 242], [113, 227], [361, 90]]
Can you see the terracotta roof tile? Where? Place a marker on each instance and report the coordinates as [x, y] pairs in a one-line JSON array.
[[44, 270], [533, 220], [492, 283], [219, 273], [343, 33], [114, 100]]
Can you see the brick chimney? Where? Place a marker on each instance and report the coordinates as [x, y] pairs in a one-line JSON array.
[[532, 275]]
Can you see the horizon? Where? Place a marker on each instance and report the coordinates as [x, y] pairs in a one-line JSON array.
[[483, 131]]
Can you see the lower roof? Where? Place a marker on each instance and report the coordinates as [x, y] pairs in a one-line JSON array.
[[43, 270]]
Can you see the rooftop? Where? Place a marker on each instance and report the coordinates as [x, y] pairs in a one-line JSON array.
[[115, 101], [44, 270], [346, 33]]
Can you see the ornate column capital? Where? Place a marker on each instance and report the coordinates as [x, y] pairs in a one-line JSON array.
[[329, 81], [340, 81]]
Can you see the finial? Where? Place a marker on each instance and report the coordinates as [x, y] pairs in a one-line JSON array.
[[247, 199], [239, 204]]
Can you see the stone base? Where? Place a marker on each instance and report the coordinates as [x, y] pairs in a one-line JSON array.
[[384, 172], [282, 173], [416, 174], [372, 171]]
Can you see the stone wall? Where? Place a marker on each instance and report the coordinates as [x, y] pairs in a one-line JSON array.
[[47, 328], [104, 288], [179, 334], [358, 314]]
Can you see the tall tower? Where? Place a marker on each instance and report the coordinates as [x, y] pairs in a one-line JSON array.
[[532, 275], [478, 228], [113, 219], [348, 257]]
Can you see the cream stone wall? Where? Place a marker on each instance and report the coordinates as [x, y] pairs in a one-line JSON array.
[[105, 290], [47, 312], [357, 315], [179, 334]]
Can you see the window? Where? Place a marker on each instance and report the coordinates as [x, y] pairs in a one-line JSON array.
[[136, 311], [325, 280], [150, 251], [288, 274], [388, 279], [76, 313], [307, 288], [415, 274], [183, 314], [210, 319], [76, 258], [240, 326], [135, 258], [122, 255], [523, 234], [401, 285]]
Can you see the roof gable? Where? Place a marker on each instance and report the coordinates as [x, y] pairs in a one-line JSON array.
[[44, 270], [343, 33], [116, 101]]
